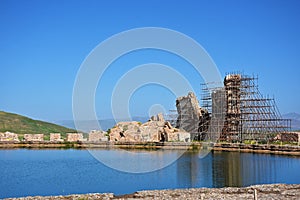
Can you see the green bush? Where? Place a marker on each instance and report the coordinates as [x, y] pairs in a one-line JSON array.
[[47, 137], [253, 142], [250, 142], [21, 137]]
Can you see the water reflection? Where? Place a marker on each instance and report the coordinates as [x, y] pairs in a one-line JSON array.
[[61, 172], [136, 161], [224, 169], [192, 173]]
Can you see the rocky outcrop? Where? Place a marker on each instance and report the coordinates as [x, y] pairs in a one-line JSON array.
[[34, 137], [8, 136], [155, 130], [97, 136]]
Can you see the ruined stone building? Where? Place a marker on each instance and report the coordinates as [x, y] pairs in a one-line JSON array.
[[155, 130], [33, 137], [9, 137], [75, 137], [191, 115], [232, 124], [249, 114], [235, 112], [97, 136], [217, 113], [55, 137]]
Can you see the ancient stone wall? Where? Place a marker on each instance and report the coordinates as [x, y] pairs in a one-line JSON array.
[[55, 137], [190, 114], [8, 136], [34, 137], [75, 137], [97, 136], [288, 137]]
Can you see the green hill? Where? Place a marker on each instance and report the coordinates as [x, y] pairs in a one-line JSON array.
[[23, 125]]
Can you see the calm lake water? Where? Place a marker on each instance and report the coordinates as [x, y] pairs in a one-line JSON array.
[[60, 172]]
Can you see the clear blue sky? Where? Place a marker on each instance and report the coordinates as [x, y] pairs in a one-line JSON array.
[[43, 43]]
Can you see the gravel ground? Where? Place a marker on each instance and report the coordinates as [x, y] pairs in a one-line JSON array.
[[260, 192]]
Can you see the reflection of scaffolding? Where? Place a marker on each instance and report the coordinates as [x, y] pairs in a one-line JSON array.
[[249, 115]]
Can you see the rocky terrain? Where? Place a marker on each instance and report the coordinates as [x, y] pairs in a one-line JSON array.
[[261, 192]]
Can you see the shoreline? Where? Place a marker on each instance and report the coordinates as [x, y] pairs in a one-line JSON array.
[[292, 150], [265, 191]]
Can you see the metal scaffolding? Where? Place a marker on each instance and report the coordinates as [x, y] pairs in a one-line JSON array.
[[214, 102], [248, 114]]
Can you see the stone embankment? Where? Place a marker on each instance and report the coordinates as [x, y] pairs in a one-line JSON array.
[[258, 148], [102, 145], [237, 147], [261, 192]]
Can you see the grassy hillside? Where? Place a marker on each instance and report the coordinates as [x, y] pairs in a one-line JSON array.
[[24, 125]]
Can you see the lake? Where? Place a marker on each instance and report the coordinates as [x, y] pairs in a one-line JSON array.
[[27, 172]]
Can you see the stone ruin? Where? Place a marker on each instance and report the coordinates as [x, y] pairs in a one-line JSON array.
[[155, 130], [288, 137], [8, 136], [236, 111], [55, 137], [159, 117], [97, 136], [75, 137], [33, 137], [191, 116]]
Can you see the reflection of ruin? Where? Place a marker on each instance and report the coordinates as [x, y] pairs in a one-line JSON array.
[[235, 169], [192, 172], [227, 169], [186, 171], [235, 112]]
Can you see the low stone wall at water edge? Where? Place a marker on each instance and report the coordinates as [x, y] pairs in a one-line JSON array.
[[258, 148], [249, 148]]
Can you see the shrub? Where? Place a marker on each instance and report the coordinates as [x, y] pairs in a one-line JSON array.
[[21, 137]]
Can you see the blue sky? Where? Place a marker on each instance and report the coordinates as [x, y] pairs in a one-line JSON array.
[[43, 43]]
